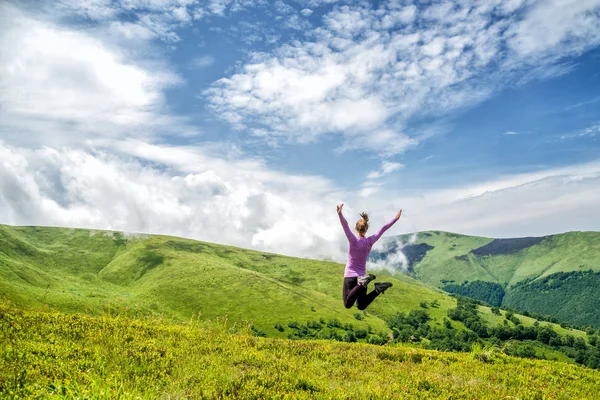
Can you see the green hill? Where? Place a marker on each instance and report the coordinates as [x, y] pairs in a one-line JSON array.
[[80, 270], [100, 272], [511, 272], [56, 355]]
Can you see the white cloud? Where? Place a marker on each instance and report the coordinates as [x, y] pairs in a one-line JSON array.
[[218, 7], [590, 132], [567, 25], [93, 9], [131, 31], [148, 188], [221, 7], [307, 12], [533, 204], [162, 17], [510, 133], [375, 69], [181, 14], [369, 188], [387, 167], [56, 81], [283, 8], [182, 192]]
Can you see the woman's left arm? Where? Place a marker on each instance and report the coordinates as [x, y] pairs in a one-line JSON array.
[[376, 236]]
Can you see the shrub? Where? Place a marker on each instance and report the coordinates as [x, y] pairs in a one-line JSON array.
[[360, 333], [376, 339], [334, 323], [349, 337]]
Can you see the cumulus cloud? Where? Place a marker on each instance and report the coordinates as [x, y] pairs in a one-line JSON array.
[[371, 69], [151, 188], [182, 191], [57, 80]]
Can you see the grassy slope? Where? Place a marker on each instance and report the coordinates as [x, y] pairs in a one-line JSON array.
[[560, 253], [78, 270], [55, 355], [440, 262]]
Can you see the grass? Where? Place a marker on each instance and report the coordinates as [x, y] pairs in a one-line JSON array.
[[47, 354], [494, 320], [77, 270]]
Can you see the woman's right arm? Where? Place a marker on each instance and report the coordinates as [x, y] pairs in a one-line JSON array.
[[347, 231]]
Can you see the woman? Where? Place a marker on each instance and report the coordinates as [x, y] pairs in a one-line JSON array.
[[355, 277]]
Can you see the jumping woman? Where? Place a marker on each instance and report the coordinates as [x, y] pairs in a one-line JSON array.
[[356, 278]]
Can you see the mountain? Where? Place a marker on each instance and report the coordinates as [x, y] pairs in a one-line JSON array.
[[556, 275]]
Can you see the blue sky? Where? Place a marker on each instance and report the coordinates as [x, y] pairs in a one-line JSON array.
[[245, 122]]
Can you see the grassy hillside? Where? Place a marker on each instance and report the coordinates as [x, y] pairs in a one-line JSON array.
[[470, 265], [461, 258], [56, 355], [78, 270], [97, 272]]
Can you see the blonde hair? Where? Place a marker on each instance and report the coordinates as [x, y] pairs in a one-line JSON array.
[[362, 225]]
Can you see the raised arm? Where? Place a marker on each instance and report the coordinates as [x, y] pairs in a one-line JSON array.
[[347, 231], [376, 236]]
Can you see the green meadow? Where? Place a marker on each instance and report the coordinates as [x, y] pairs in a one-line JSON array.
[[48, 354]]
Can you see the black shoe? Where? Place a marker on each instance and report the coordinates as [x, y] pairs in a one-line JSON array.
[[382, 286], [364, 280]]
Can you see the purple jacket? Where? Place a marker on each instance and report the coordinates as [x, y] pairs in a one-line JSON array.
[[359, 248]]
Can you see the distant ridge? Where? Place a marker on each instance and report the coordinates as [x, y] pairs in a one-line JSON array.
[[452, 259]]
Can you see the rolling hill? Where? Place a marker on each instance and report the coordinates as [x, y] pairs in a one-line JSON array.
[[79, 270], [112, 273], [556, 275]]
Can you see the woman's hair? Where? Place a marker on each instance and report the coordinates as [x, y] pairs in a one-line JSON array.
[[362, 225]]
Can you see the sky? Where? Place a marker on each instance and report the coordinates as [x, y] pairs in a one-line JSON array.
[[246, 122]]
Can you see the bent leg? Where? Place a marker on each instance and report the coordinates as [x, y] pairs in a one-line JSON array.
[[363, 302], [352, 290]]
